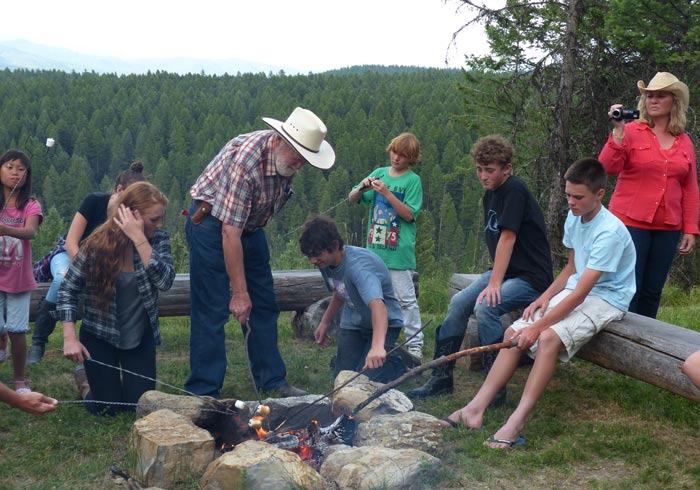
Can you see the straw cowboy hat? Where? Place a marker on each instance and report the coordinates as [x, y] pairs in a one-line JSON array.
[[306, 133], [668, 83]]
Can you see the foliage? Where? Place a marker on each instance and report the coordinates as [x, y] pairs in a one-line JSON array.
[[176, 124], [617, 42]]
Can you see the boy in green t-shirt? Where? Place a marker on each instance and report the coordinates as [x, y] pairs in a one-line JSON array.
[[395, 194]]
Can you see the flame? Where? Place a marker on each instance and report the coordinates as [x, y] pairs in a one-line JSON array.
[[304, 452], [256, 424]]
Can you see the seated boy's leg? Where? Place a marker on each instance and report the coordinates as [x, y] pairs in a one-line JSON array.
[[516, 294], [461, 307], [506, 363]]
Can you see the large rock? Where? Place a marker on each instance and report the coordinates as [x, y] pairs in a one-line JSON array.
[[258, 465], [408, 430], [305, 323], [203, 411], [169, 448], [357, 391], [376, 467]]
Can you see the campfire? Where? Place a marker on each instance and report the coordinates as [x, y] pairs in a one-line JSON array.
[[310, 442], [270, 444]]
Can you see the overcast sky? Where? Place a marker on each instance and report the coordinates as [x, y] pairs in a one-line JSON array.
[[309, 35]]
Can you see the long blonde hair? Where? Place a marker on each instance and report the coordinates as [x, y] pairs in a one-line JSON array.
[[676, 124], [103, 249]]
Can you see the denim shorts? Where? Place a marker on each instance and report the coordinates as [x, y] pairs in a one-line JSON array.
[[14, 311], [579, 326]]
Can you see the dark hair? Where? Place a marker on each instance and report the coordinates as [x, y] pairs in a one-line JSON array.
[[133, 174], [318, 235], [492, 149], [589, 172], [24, 192]]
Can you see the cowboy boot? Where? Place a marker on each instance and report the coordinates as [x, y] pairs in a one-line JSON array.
[[43, 327], [487, 360], [441, 381]]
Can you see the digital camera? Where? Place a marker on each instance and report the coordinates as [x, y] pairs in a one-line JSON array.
[[625, 114]]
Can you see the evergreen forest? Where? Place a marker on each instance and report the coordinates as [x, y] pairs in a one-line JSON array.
[[176, 124]]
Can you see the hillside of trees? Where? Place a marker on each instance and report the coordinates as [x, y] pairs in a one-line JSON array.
[[176, 124]]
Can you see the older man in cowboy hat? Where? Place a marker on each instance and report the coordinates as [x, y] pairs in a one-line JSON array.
[[240, 190]]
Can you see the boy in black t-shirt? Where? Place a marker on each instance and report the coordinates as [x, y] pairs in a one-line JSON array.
[[516, 237]]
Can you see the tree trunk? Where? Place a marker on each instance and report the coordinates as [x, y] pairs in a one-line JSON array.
[[560, 138]]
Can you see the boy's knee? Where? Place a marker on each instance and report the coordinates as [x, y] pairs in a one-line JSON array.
[[549, 340]]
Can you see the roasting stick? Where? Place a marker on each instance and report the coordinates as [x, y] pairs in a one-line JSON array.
[[429, 365], [330, 393]]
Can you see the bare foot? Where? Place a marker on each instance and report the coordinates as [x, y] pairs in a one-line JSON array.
[[464, 415]]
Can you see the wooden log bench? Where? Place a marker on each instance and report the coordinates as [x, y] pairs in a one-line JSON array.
[[294, 290], [643, 348]]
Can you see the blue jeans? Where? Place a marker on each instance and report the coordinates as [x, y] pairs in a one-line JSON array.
[[59, 266], [656, 250], [515, 294], [210, 294], [353, 346]]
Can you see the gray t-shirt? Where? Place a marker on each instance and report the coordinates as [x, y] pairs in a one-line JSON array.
[[360, 278], [132, 316]]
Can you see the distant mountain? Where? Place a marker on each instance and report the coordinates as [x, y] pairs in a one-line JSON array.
[[24, 54]]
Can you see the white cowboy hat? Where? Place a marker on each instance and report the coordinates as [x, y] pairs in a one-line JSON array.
[[306, 133], [668, 83]]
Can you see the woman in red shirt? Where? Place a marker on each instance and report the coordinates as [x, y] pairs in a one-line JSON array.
[[656, 194]]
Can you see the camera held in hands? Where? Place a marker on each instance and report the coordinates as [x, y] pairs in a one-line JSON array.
[[624, 114]]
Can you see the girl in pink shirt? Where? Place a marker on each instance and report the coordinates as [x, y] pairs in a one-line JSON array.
[[20, 217]]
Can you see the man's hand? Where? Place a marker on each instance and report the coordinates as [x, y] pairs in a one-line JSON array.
[[74, 350], [240, 306], [36, 403], [527, 337], [540, 304], [375, 358], [321, 336], [492, 295]]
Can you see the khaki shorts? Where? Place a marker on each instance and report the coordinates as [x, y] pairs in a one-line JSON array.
[[579, 326]]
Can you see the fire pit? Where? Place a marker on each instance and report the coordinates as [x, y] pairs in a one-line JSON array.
[[313, 446]]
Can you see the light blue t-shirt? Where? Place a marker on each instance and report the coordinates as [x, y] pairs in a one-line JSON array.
[[603, 244], [360, 278]]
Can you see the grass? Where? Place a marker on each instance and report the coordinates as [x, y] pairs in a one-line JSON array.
[[593, 428]]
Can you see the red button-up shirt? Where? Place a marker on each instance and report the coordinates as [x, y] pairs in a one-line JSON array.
[[656, 188]]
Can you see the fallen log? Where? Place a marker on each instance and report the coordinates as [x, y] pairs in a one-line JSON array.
[[643, 348], [294, 290]]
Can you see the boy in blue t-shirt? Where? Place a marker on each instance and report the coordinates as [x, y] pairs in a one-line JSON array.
[[370, 320], [594, 288]]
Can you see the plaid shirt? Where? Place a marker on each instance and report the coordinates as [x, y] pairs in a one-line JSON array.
[[159, 275], [242, 184]]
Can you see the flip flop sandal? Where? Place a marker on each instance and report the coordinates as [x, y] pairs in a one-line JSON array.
[[457, 425], [510, 443]]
